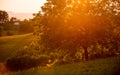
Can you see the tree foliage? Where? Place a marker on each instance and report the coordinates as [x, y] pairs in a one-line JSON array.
[[3, 16], [73, 24], [25, 26]]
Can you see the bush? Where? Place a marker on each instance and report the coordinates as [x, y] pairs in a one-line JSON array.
[[26, 62], [1, 30], [9, 33]]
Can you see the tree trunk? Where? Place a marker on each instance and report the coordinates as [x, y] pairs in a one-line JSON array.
[[85, 53]]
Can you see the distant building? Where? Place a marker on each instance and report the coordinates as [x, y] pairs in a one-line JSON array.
[[1, 22], [16, 23]]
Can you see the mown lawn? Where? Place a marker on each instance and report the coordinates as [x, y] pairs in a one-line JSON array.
[[9, 44], [106, 66]]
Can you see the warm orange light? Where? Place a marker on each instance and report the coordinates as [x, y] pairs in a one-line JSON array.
[[30, 6]]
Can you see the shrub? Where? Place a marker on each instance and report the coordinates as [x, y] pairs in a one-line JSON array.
[[1, 30], [9, 33], [26, 62]]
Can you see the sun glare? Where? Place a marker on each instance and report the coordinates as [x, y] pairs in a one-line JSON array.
[[30, 6]]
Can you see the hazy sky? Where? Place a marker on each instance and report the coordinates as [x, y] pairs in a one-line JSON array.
[[24, 6]]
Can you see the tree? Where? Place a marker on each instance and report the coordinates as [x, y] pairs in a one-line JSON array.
[[1, 30], [72, 24], [25, 26], [13, 19], [3, 16]]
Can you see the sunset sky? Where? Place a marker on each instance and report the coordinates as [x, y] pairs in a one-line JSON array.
[[21, 6]]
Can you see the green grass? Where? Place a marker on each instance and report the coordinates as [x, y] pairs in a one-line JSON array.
[[10, 44], [106, 66]]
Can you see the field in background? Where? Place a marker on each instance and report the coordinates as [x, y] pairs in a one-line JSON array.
[[9, 44]]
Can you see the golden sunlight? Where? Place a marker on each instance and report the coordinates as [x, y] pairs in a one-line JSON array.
[[26, 6]]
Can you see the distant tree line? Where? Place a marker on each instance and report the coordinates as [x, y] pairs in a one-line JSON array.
[[13, 25]]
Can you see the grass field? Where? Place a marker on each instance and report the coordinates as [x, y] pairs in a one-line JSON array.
[[106, 66], [9, 44]]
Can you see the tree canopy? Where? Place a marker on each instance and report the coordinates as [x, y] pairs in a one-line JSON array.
[[3, 16], [73, 24]]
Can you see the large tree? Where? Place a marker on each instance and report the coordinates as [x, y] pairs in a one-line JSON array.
[[71, 24]]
